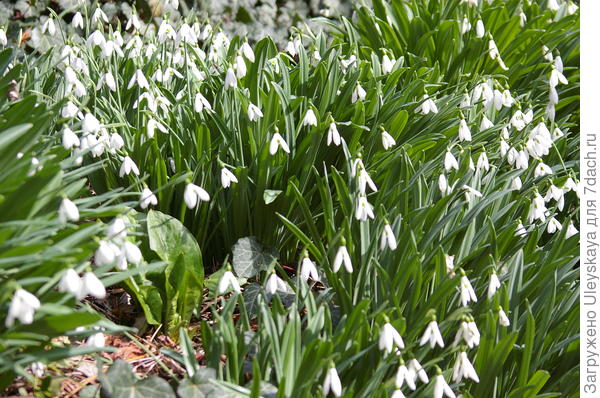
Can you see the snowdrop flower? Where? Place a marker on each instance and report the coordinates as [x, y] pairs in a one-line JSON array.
[[38, 369], [542, 170], [247, 51], [557, 133], [254, 113], [398, 394], [342, 256], [469, 333], [449, 261], [116, 229], [77, 21], [332, 383], [358, 93], [464, 368], [495, 53], [99, 16], [308, 270], [69, 139], [520, 231], [504, 148], [388, 337], [90, 124], [70, 110], [464, 133], [274, 283], [93, 286], [116, 142], [106, 253], [96, 38], [516, 184], [502, 318], [557, 194], [128, 166], [49, 27], [133, 21], [405, 375], [152, 126], [201, 103], [147, 198], [479, 29], [109, 80], [310, 119], [68, 211], [3, 38], [22, 307], [466, 291], [96, 340], [278, 142], [70, 282], [165, 31], [443, 184], [465, 26], [417, 370], [571, 230], [553, 5], [538, 209], [193, 193], [522, 160], [139, 79], [387, 64], [553, 225], [471, 192], [450, 161], [333, 135], [442, 388], [557, 77], [387, 140], [228, 280], [507, 99], [483, 162], [240, 67], [293, 47], [387, 238], [485, 123], [132, 252], [364, 210], [427, 106], [432, 335], [518, 120], [227, 177], [493, 285]]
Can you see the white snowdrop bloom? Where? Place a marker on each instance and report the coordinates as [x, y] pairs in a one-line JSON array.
[[107, 79], [493, 49], [308, 270], [332, 383], [479, 29], [346, 63], [364, 179], [358, 93], [133, 21], [466, 101], [128, 166], [485, 123], [552, 96], [70, 110], [147, 198], [93, 286], [502, 318], [442, 388], [398, 394], [116, 142], [310, 119], [465, 26], [22, 307], [247, 51], [493, 285], [497, 102], [426, 106], [278, 142], [483, 162], [522, 161], [153, 125], [471, 192], [333, 135], [507, 99], [77, 21], [138, 79], [3, 38], [99, 16], [555, 193], [150, 101], [70, 282], [571, 230], [293, 46], [450, 161], [342, 256], [471, 164], [537, 210], [520, 231], [542, 169], [106, 253], [415, 367], [96, 38], [364, 210], [186, 34], [570, 185], [193, 193], [557, 133], [553, 5], [504, 148], [206, 32], [48, 26], [38, 369], [432, 335], [227, 177], [405, 375], [69, 139], [165, 32], [553, 225], [518, 120], [558, 64], [131, 252], [90, 124], [388, 337], [240, 67], [316, 56], [467, 293], [557, 77], [443, 184], [464, 368], [254, 112], [467, 332], [387, 64], [387, 238], [464, 133], [228, 280], [68, 211], [274, 283], [516, 184], [201, 103], [522, 19], [117, 229], [96, 340], [449, 262], [547, 54]]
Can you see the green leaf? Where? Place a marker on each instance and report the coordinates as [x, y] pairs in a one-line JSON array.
[[249, 257]]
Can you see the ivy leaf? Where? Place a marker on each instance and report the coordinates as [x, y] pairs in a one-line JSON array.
[[249, 257]]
